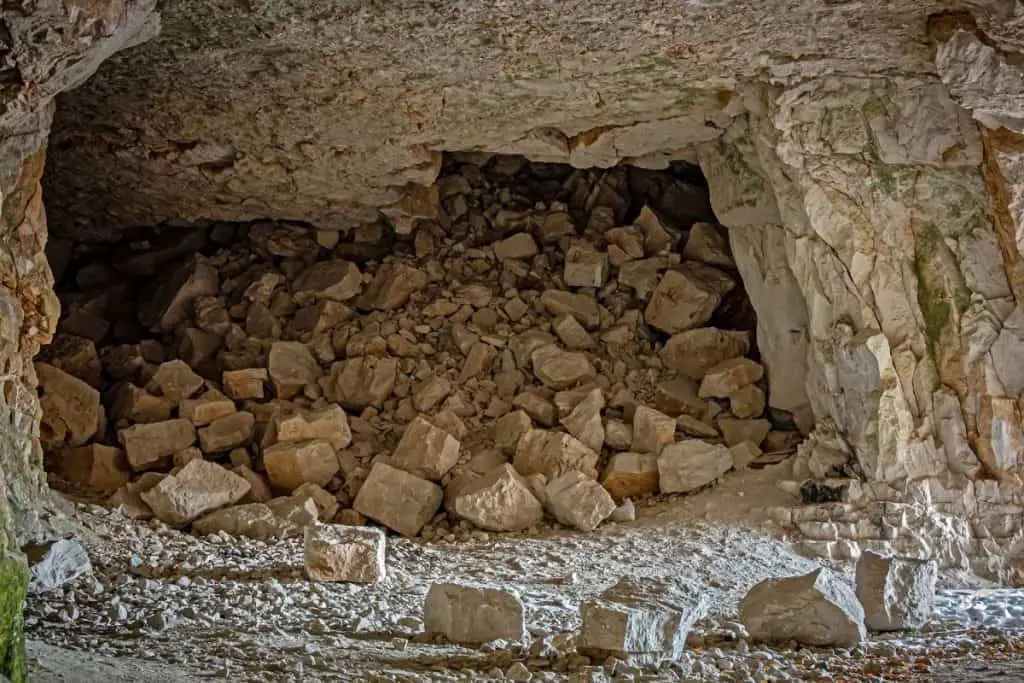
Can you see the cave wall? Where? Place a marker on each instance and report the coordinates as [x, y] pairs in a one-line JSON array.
[[46, 47]]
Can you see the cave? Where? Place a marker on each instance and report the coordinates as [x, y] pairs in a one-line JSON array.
[[356, 341]]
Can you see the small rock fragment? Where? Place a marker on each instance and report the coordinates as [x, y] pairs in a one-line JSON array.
[[227, 432]]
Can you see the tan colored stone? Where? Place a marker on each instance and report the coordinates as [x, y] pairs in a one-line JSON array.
[[696, 427], [129, 402], [326, 503], [499, 500], [707, 245], [426, 395], [678, 396], [246, 383], [360, 382], [537, 407], [152, 445], [735, 431], [730, 376], [344, 553], [686, 298], [693, 352], [97, 467], [652, 430], [631, 475], [259, 488], [199, 487], [585, 266], [227, 432], [391, 287], [172, 302], [518, 246], [425, 450], [185, 456], [560, 369], [74, 355], [618, 435], [72, 413], [571, 333], [691, 464], [203, 410], [290, 464], [297, 424], [337, 280], [128, 498], [580, 306], [748, 401], [584, 422], [743, 454], [469, 613], [250, 519], [509, 428], [397, 499], [478, 361], [291, 367], [578, 501], [175, 380], [553, 454]]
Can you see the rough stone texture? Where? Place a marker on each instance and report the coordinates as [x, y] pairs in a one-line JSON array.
[[344, 553], [499, 501], [816, 609], [690, 464], [254, 520], [200, 486], [652, 430], [71, 408], [640, 620], [465, 613], [291, 367], [578, 501], [553, 454], [896, 593], [425, 450], [686, 298], [97, 467], [629, 475], [150, 445], [693, 352], [290, 464], [397, 499]]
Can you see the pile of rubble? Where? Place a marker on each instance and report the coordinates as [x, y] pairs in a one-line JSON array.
[[541, 341]]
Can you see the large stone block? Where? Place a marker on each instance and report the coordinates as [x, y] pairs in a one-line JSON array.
[[291, 464], [329, 424], [360, 382], [896, 593], [691, 464], [693, 352], [425, 450], [630, 475], [466, 613], [398, 500], [553, 454], [686, 298], [500, 500], [199, 487], [817, 609], [333, 552], [291, 366], [152, 445], [560, 369], [71, 408], [97, 467], [227, 432], [578, 501]]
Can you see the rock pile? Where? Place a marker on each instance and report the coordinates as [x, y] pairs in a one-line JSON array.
[[558, 341]]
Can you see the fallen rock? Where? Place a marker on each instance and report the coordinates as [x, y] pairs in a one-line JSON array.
[[199, 487], [687, 297], [510, 428], [560, 369], [747, 402], [326, 502], [152, 445], [817, 609], [693, 352], [391, 287], [678, 396], [129, 402], [585, 266], [96, 467], [172, 301], [518, 246], [291, 367], [631, 475], [175, 381], [730, 376], [245, 383], [578, 501], [427, 394], [571, 333], [252, 520], [71, 410], [692, 426], [652, 430], [743, 454], [536, 407], [580, 306], [227, 432], [296, 511], [128, 498], [204, 410], [553, 454], [290, 464], [499, 501], [584, 422], [398, 500], [736, 431], [896, 593], [329, 424], [333, 552], [54, 564], [708, 245], [425, 450], [259, 487], [641, 621], [467, 613], [74, 355], [360, 382], [337, 279], [691, 464]]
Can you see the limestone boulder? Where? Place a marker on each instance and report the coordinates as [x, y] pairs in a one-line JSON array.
[[334, 552], [640, 620], [748, 402], [584, 422], [707, 244], [580, 306], [291, 366], [175, 381], [693, 352], [359, 382], [585, 266], [678, 396], [290, 464], [96, 467], [171, 303], [552, 454], [131, 403], [400, 501], [337, 280], [151, 445], [691, 464], [74, 355], [225, 433], [652, 430], [251, 520], [199, 487], [560, 369], [326, 502], [686, 298], [425, 450], [896, 593], [730, 376], [509, 428], [518, 246], [500, 500], [207, 408], [391, 287], [72, 412], [817, 609], [631, 475], [329, 424], [245, 383], [578, 501], [470, 613], [736, 431]]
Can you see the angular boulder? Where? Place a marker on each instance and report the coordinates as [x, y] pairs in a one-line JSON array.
[[334, 552], [398, 500], [329, 424], [553, 454], [631, 475], [693, 352], [199, 487], [578, 501], [71, 408], [291, 366], [686, 298], [96, 467], [896, 593], [652, 430], [500, 500], [730, 376], [252, 520], [290, 464], [584, 422], [425, 450], [151, 445], [468, 613], [175, 381], [691, 464], [360, 382], [227, 432], [817, 609], [391, 287], [560, 369]]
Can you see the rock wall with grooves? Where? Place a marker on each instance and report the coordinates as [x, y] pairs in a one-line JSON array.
[[47, 46]]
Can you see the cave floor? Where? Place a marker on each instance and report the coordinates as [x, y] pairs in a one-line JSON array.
[[168, 606]]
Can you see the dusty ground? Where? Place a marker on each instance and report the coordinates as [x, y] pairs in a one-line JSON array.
[[164, 606]]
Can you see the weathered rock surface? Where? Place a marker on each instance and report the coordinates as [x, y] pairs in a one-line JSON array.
[[333, 552], [500, 500], [690, 464], [687, 297], [693, 352], [630, 475], [465, 613], [553, 454], [290, 464], [425, 450], [816, 609], [578, 501], [200, 486], [71, 408], [149, 445], [896, 593], [398, 500], [97, 467]]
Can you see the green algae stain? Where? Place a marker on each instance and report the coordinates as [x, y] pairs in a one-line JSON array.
[[13, 587]]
